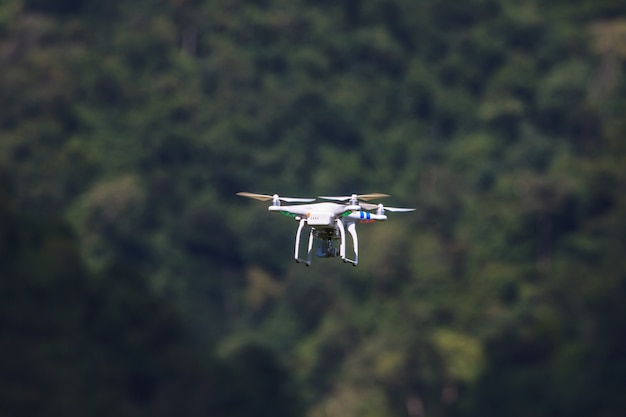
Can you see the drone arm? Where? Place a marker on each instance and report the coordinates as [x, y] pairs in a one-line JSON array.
[[366, 216]]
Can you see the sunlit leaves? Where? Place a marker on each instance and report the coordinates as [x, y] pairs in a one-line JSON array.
[[462, 354]]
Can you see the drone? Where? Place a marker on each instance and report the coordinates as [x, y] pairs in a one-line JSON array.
[[328, 221]]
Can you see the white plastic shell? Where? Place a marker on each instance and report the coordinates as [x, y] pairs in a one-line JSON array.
[[320, 219]]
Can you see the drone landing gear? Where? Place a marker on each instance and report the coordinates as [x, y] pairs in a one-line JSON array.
[[307, 261], [326, 238], [355, 242]]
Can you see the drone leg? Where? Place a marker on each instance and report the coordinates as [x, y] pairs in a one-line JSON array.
[[297, 246], [342, 234], [310, 247], [355, 243]]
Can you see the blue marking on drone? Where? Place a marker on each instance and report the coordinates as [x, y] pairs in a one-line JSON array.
[[364, 215]]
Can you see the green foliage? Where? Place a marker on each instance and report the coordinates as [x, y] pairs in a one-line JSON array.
[[75, 343], [501, 121]]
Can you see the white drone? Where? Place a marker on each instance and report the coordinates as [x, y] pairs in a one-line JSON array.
[[329, 221]]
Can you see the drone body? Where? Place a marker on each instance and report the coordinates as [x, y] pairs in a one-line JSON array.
[[328, 221]]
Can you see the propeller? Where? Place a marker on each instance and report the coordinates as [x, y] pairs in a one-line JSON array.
[[380, 209], [275, 198], [354, 198]]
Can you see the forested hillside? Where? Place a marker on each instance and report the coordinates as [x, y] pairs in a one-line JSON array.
[[133, 281]]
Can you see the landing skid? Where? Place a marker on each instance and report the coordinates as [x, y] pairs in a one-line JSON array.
[[327, 251], [306, 261]]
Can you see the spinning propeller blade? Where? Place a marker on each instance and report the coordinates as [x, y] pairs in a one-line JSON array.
[[368, 206], [367, 197], [381, 208], [364, 197], [266, 197], [296, 200], [262, 197], [398, 209]]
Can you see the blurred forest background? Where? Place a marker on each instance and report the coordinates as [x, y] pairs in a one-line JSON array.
[[133, 282]]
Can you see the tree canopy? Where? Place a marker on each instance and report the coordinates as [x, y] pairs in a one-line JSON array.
[[134, 282]]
